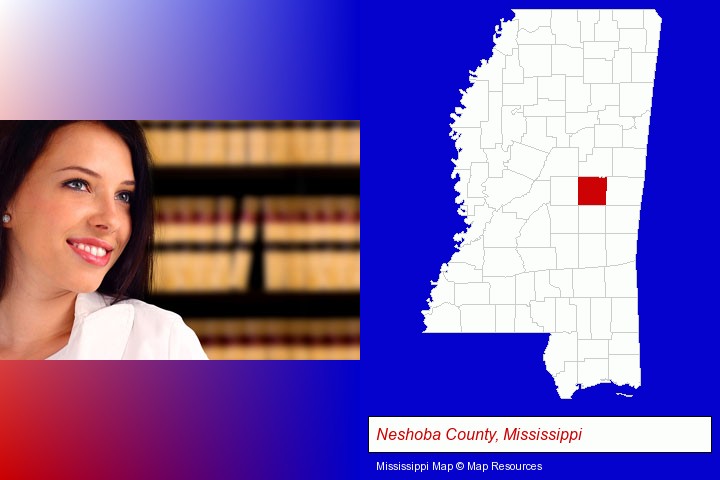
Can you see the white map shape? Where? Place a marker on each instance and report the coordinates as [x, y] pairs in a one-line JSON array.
[[565, 94]]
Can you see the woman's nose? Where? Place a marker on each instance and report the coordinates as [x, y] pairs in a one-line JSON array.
[[106, 214]]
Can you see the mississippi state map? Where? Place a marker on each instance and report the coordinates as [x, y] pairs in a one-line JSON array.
[[552, 138]]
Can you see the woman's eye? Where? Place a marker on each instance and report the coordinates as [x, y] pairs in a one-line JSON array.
[[80, 185], [125, 197]]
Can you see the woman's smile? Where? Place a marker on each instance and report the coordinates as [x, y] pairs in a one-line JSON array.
[[92, 250]]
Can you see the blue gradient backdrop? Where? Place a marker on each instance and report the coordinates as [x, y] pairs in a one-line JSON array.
[[179, 59], [398, 69]]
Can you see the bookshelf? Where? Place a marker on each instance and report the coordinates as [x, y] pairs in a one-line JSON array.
[[262, 304], [254, 180], [258, 224]]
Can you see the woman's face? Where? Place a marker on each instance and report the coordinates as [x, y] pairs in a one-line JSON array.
[[71, 215]]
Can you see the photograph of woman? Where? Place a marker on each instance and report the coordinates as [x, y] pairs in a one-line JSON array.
[[75, 237]]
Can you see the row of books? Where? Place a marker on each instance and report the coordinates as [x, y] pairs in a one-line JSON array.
[[279, 339], [302, 244], [319, 270], [244, 143], [282, 219]]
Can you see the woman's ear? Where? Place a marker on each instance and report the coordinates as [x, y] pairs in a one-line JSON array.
[[6, 217]]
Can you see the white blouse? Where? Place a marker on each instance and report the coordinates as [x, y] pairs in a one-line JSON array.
[[128, 330]]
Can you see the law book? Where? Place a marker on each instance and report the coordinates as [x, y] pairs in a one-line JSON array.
[[224, 221], [318, 143], [258, 134], [279, 338], [206, 143], [237, 144], [175, 143], [325, 231], [345, 143], [155, 135], [280, 137]]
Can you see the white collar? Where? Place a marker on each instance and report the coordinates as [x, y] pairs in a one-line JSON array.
[[100, 331]]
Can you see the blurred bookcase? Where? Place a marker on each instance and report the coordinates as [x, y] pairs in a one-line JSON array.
[[258, 235]]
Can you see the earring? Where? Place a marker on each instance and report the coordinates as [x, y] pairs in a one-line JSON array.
[[6, 218]]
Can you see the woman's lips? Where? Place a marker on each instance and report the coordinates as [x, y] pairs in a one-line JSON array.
[[91, 253]]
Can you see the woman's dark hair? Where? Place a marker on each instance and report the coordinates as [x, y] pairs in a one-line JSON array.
[[21, 142]]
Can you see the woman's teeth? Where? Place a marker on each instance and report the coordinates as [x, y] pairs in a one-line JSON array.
[[96, 251]]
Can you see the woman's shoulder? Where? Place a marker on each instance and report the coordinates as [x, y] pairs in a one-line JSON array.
[[152, 313], [156, 329], [145, 314]]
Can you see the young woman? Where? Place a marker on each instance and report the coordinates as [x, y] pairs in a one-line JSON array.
[[75, 246]]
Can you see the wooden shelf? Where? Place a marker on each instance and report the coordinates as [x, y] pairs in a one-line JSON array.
[[259, 304], [266, 246], [241, 180], [253, 180]]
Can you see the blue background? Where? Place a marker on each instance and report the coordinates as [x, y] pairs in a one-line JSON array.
[[408, 223], [397, 68]]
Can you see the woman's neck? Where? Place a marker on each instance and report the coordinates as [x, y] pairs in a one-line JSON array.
[[34, 325]]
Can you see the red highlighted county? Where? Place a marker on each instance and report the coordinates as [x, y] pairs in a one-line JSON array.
[[592, 190]]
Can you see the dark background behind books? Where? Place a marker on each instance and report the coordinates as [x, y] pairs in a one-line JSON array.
[[397, 68]]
